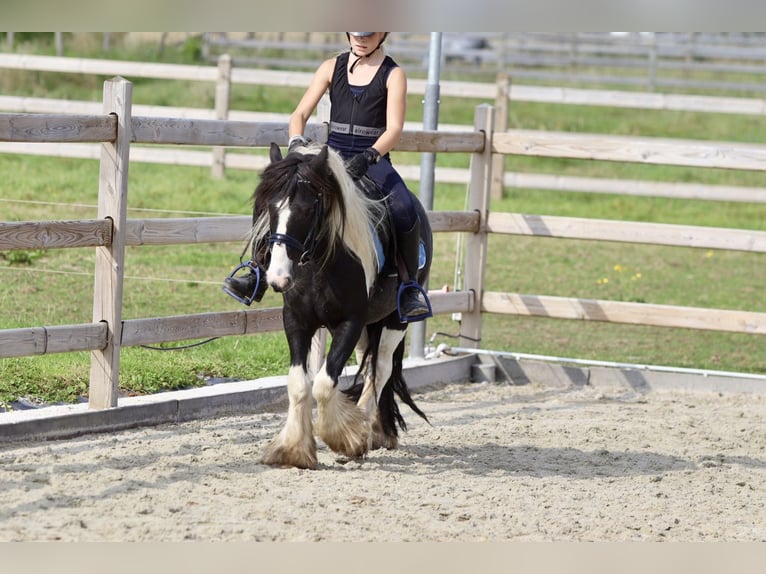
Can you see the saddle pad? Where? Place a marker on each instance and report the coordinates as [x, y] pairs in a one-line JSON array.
[[382, 255]]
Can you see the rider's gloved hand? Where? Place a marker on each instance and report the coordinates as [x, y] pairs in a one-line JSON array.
[[358, 165], [296, 141]]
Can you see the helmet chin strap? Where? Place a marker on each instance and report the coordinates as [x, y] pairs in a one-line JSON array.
[[359, 58]]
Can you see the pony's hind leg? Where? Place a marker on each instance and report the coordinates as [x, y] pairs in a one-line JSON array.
[[381, 435], [295, 444]]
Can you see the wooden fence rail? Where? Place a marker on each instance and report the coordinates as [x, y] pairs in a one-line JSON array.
[[168, 231], [112, 231], [628, 232]]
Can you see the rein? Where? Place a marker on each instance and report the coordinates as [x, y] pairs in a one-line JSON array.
[[307, 247]]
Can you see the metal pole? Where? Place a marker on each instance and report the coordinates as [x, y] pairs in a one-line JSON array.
[[427, 163]]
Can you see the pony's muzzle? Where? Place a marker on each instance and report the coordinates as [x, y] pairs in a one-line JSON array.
[[279, 275], [280, 278], [282, 285]]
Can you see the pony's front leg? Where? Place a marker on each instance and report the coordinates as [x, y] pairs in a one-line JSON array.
[[342, 425], [295, 444]]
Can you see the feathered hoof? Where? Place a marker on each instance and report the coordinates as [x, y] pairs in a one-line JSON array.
[[279, 454], [347, 436], [347, 447], [379, 439], [343, 426]]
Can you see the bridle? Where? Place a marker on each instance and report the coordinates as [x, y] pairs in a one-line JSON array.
[[309, 245]]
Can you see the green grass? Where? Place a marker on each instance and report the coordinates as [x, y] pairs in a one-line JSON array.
[[54, 287]]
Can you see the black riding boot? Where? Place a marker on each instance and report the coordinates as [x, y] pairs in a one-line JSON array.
[[411, 303], [249, 287]]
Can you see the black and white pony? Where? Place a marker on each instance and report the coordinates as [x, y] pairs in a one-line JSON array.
[[326, 246]]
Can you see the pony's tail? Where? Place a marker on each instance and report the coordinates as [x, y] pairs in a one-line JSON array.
[[390, 415]]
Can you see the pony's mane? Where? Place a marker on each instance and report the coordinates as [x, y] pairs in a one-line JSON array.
[[350, 215], [362, 217]]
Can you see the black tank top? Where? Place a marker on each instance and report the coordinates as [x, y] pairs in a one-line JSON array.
[[356, 121]]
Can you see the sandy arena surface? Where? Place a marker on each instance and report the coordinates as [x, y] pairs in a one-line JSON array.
[[498, 463]]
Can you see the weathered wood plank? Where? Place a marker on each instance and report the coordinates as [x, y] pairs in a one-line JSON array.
[[452, 302], [184, 131], [57, 128], [55, 234], [184, 327], [622, 312], [693, 153], [178, 231], [107, 67], [640, 100], [454, 221], [627, 231], [189, 131], [58, 339], [645, 188], [436, 141], [249, 322], [169, 231]]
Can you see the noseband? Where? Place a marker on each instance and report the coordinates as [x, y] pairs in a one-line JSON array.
[[308, 246]]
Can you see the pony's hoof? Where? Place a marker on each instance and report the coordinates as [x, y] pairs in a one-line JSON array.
[[342, 426], [380, 439], [284, 456], [384, 441], [348, 448]]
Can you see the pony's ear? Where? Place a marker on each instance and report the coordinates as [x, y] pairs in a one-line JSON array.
[[319, 161], [275, 153]]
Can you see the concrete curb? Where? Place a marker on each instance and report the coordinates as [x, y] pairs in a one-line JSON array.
[[66, 421], [558, 375], [270, 394]]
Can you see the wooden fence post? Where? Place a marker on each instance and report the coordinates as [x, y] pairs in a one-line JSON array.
[[58, 38], [222, 97], [651, 79], [501, 125], [323, 114], [110, 270], [476, 243]]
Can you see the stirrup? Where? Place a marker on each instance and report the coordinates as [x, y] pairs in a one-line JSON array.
[[403, 318], [258, 290]]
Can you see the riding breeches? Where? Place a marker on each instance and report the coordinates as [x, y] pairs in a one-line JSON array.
[[400, 198]]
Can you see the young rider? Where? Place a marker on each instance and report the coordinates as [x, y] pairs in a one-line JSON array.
[[368, 96]]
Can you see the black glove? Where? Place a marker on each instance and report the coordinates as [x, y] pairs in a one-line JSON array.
[[296, 141], [358, 165]]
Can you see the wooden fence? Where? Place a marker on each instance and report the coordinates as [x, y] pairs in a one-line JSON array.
[[686, 61], [225, 75], [116, 129], [681, 60]]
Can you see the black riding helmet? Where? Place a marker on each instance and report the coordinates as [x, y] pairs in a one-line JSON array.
[[363, 35]]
